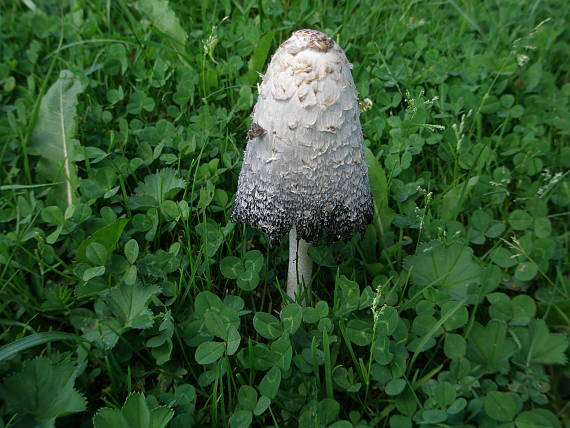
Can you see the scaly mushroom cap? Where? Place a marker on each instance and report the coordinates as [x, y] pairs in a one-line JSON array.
[[304, 162]]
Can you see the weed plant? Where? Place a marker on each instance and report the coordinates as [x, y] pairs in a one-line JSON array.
[[128, 298]]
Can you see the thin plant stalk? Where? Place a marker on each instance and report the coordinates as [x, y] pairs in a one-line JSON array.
[[300, 264]]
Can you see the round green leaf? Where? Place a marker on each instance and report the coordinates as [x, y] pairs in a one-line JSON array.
[[444, 394], [231, 267], [399, 421], [526, 271], [93, 272], [247, 397], [53, 215], [233, 340], [457, 406], [291, 317], [520, 220], [267, 325], [269, 385], [209, 352], [241, 419], [537, 418], [434, 416], [503, 257], [96, 253], [261, 406], [524, 309], [395, 386], [454, 346], [542, 227], [359, 332], [131, 250], [248, 280]]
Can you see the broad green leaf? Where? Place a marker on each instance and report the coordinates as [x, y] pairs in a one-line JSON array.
[[257, 60], [97, 254], [43, 390], [452, 202], [379, 188], [209, 352], [107, 236], [164, 18], [52, 138], [449, 267]]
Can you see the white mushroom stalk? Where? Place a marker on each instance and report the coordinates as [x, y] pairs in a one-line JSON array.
[[304, 171]]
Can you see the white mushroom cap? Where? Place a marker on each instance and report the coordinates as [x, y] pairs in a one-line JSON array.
[[304, 162]]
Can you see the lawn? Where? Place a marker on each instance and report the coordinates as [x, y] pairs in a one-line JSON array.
[[129, 298]]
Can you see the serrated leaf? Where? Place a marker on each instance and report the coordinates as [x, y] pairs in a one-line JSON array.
[[156, 188], [128, 304], [449, 267], [134, 413], [501, 406], [52, 138], [539, 346], [43, 390], [162, 16], [489, 346]]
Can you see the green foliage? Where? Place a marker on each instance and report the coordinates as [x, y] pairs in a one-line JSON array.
[[135, 412], [53, 134], [43, 391], [117, 251]]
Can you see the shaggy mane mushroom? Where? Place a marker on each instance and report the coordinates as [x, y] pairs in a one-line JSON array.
[[304, 171]]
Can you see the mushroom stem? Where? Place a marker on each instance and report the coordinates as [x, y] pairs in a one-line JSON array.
[[300, 264]]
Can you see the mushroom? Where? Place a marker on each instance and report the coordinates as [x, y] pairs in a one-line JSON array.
[[304, 171]]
